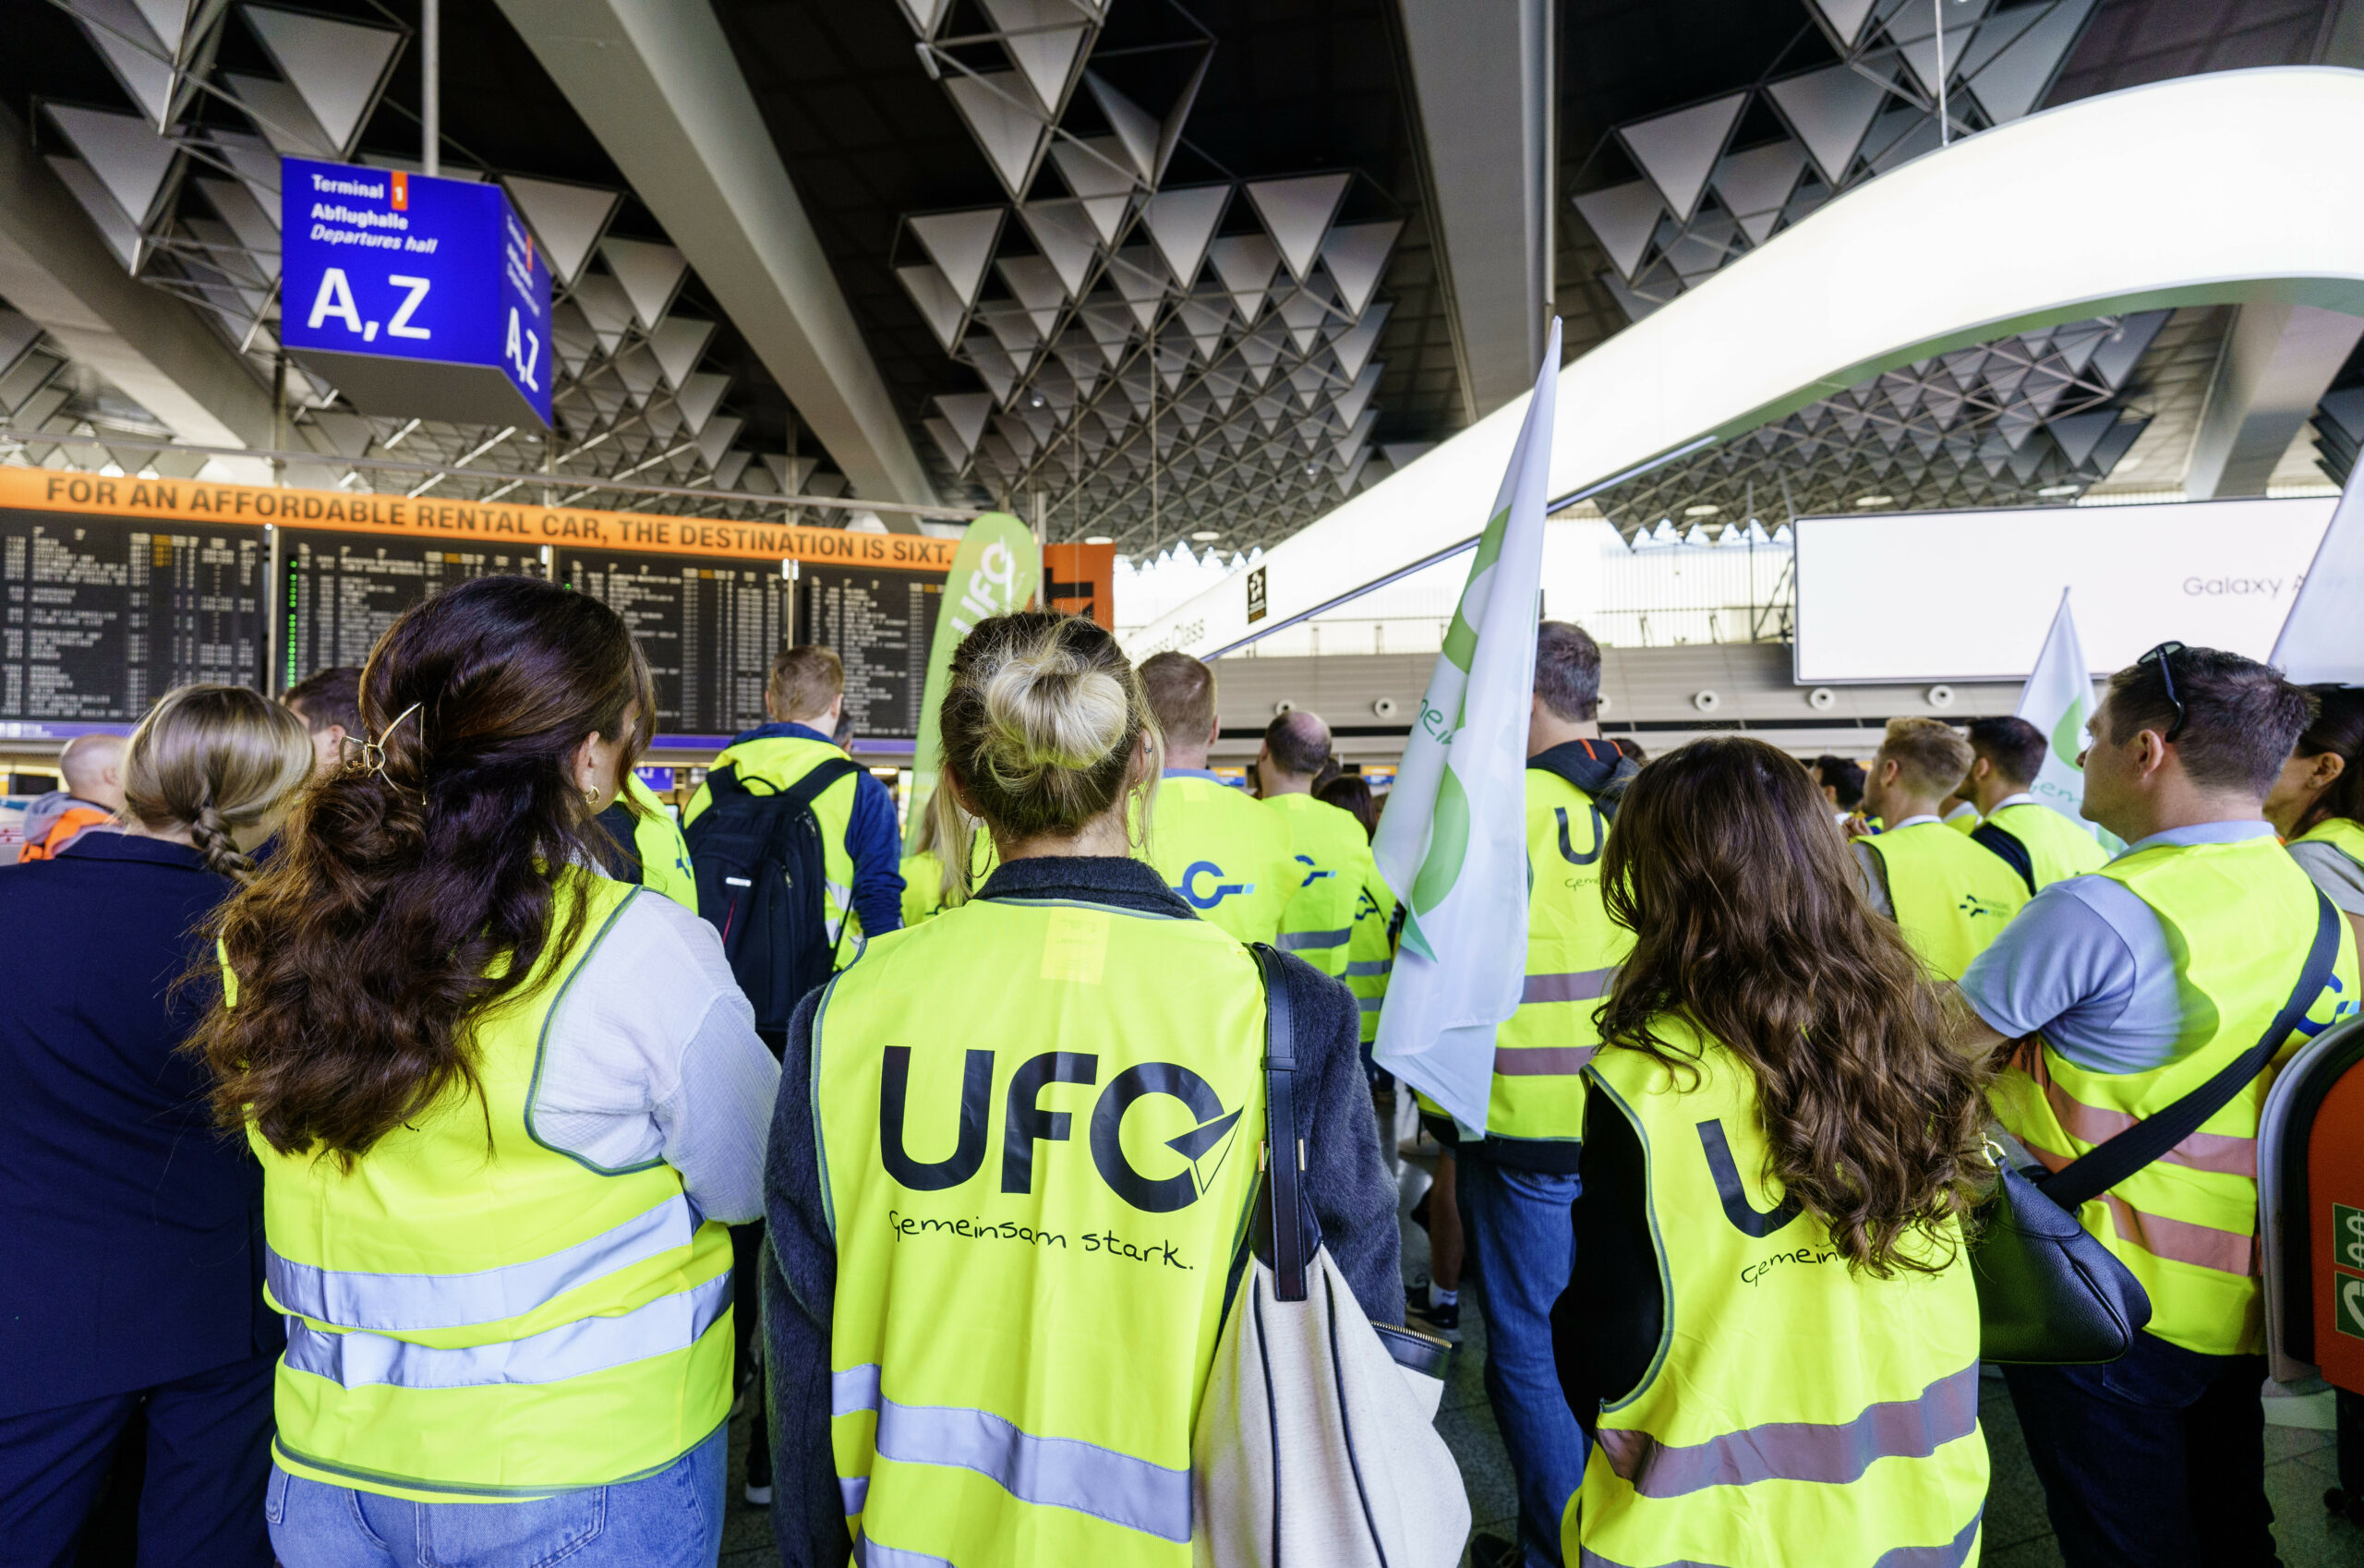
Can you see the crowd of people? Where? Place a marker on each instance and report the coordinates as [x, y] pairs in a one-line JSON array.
[[419, 1143]]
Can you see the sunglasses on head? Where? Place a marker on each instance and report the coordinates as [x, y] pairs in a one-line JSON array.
[[2164, 656]]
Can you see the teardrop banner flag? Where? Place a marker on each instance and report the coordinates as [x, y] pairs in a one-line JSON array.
[[1452, 844], [997, 569], [2058, 700], [2318, 642]]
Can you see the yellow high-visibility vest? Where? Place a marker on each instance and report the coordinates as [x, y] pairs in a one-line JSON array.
[[1794, 1411], [2239, 918], [1039, 1126], [1371, 950], [468, 1322], [1333, 855], [1952, 896], [1229, 858], [1536, 1114], [2057, 848]]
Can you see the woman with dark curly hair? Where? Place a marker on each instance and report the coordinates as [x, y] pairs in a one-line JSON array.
[[1773, 1336], [505, 1108]]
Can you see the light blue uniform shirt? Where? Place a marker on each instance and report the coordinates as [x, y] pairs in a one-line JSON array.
[[2086, 962]]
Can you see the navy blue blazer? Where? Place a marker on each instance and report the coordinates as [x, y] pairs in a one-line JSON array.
[[131, 1227]]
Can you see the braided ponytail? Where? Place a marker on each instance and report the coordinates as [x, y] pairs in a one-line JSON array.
[[211, 760]]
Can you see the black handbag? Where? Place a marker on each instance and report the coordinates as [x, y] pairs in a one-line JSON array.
[[2049, 1294]]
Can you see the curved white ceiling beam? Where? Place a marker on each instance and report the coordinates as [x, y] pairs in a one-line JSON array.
[[2232, 186]]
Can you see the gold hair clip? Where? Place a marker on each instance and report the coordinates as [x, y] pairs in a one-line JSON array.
[[373, 752]]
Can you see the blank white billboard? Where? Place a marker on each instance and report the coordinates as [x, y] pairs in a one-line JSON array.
[[1967, 596]]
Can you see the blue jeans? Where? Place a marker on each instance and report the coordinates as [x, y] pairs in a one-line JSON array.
[[1522, 1245], [673, 1519], [2156, 1460]]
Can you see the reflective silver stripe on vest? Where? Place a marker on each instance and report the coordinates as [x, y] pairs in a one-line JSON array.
[[1369, 1003], [1364, 967], [1948, 1554], [1583, 986], [408, 1303], [1047, 1471], [1832, 1454], [1298, 941], [868, 1553], [1541, 1061], [570, 1350], [854, 1491]]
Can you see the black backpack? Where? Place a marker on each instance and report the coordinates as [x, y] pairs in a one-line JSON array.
[[760, 870]]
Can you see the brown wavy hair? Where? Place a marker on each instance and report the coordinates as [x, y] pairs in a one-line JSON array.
[[1748, 923], [410, 899]]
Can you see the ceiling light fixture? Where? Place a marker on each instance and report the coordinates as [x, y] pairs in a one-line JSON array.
[[1874, 501], [1701, 511], [1037, 401], [1206, 535], [2058, 490], [1098, 539]]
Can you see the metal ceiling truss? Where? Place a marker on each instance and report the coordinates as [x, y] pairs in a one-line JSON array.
[[2031, 420], [189, 202], [1161, 359]]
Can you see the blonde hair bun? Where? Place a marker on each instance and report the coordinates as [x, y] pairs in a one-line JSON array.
[[1043, 721]]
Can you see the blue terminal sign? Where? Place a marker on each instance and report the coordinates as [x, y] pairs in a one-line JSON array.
[[415, 296]]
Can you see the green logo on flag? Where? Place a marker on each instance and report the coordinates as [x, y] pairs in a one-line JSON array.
[[2068, 736]]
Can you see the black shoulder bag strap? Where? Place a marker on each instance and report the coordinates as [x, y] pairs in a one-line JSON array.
[[2101, 1168], [1282, 1173], [807, 790]]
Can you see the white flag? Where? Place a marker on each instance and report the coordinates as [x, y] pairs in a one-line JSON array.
[[2057, 700], [2318, 642], [1453, 845]]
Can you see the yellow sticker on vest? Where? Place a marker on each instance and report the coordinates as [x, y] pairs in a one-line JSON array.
[[1076, 946]]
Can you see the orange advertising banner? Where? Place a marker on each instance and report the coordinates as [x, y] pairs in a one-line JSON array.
[[516, 525]]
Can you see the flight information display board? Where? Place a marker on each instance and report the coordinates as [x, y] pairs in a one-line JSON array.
[[708, 630], [100, 617], [342, 590], [882, 624]]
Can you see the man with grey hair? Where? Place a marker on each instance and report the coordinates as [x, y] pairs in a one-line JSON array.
[[1331, 852], [93, 794], [1515, 1187]]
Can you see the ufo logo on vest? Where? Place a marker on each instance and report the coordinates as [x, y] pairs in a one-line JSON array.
[[1026, 1124]]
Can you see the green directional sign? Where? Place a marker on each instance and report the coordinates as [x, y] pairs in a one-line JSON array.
[[2347, 1253]]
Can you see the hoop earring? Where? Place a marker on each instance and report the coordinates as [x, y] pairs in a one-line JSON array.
[[590, 797]]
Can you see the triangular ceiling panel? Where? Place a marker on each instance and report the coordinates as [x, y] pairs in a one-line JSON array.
[[124, 150], [604, 308], [1064, 233], [1353, 345], [678, 342], [1246, 264], [1094, 169], [1679, 151], [337, 68], [1297, 213], [1137, 129], [1046, 45], [1623, 218], [1913, 31], [923, 15], [119, 33], [2080, 433], [567, 218], [1830, 110], [2114, 360], [715, 438], [1139, 277], [939, 307], [967, 413], [651, 275], [2011, 84], [1181, 223], [961, 244], [1357, 254], [278, 112], [697, 398], [955, 452], [1035, 284], [1755, 186], [995, 105]]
